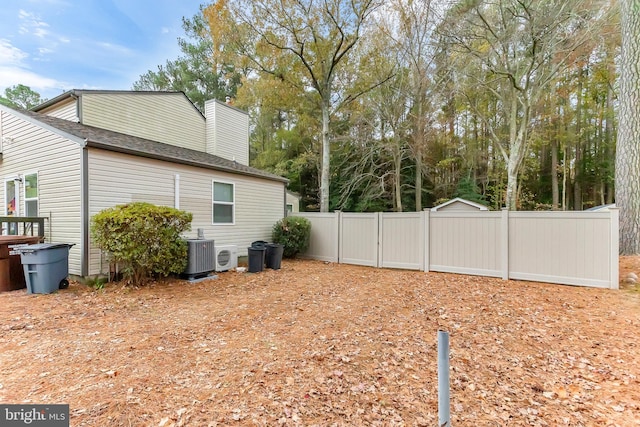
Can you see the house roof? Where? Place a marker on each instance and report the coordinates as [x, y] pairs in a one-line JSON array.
[[601, 208], [128, 144], [460, 200]]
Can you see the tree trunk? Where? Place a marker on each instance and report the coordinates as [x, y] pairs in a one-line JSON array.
[[517, 147], [397, 179], [564, 178], [555, 196], [628, 146], [419, 180], [609, 132], [577, 177], [418, 144], [325, 171]]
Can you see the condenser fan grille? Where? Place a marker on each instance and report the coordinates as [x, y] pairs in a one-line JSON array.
[[224, 257]]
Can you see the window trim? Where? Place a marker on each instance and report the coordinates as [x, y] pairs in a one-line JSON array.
[[16, 196], [11, 228], [24, 192], [214, 202]]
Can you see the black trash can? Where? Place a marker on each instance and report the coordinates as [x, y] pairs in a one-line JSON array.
[[256, 258], [259, 244], [274, 255]]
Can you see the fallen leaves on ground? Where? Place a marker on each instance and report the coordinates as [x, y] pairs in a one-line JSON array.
[[321, 344]]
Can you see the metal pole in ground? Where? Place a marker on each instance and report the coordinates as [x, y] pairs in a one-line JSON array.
[[444, 418]]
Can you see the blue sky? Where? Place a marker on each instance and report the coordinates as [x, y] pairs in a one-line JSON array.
[[56, 45]]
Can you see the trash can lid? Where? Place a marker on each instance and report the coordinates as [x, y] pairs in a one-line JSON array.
[[42, 246]]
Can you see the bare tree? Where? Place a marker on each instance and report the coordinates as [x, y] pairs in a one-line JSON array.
[[514, 49], [311, 38], [410, 24]]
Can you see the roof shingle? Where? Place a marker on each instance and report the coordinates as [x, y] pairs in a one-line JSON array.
[[123, 143]]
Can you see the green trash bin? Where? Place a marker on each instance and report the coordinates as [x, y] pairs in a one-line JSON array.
[[46, 266]]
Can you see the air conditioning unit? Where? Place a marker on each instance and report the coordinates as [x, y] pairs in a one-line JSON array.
[[201, 259], [226, 257]]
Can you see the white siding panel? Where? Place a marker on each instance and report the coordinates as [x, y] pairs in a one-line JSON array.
[[57, 162], [66, 110], [163, 117], [120, 178], [227, 132]]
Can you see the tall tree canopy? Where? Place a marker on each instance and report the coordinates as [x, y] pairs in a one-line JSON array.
[[401, 104], [21, 96], [303, 43], [514, 49], [197, 73]]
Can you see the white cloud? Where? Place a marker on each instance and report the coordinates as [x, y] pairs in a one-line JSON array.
[[9, 54], [32, 24], [12, 76], [165, 30], [115, 48], [14, 71]]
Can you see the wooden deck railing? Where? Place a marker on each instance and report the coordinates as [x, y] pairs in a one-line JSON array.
[[22, 225]]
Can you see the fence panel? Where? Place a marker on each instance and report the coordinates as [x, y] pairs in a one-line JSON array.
[[466, 242], [323, 243], [402, 240], [561, 247], [575, 248], [359, 238]]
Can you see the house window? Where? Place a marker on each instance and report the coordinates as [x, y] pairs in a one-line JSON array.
[[223, 202], [289, 208], [31, 195]]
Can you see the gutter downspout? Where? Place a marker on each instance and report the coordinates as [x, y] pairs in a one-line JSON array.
[[285, 200], [84, 211], [176, 191]]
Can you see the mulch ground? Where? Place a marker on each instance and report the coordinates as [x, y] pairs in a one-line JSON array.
[[326, 344]]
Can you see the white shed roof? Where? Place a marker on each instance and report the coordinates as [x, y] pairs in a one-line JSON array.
[[460, 203]]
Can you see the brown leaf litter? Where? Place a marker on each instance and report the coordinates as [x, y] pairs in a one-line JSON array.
[[321, 344]]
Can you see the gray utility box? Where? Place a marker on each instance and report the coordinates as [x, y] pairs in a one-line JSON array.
[[201, 257], [46, 267]]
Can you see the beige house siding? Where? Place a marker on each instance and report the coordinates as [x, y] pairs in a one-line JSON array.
[[227, 133], [294, 201], [163, 117], [56, 160], [66, 110], [116, 178]]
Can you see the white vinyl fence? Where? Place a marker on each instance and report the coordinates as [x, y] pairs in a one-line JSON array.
[[575, 248]]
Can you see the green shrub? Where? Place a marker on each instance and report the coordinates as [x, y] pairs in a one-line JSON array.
[[143, 238], [293, 233]]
